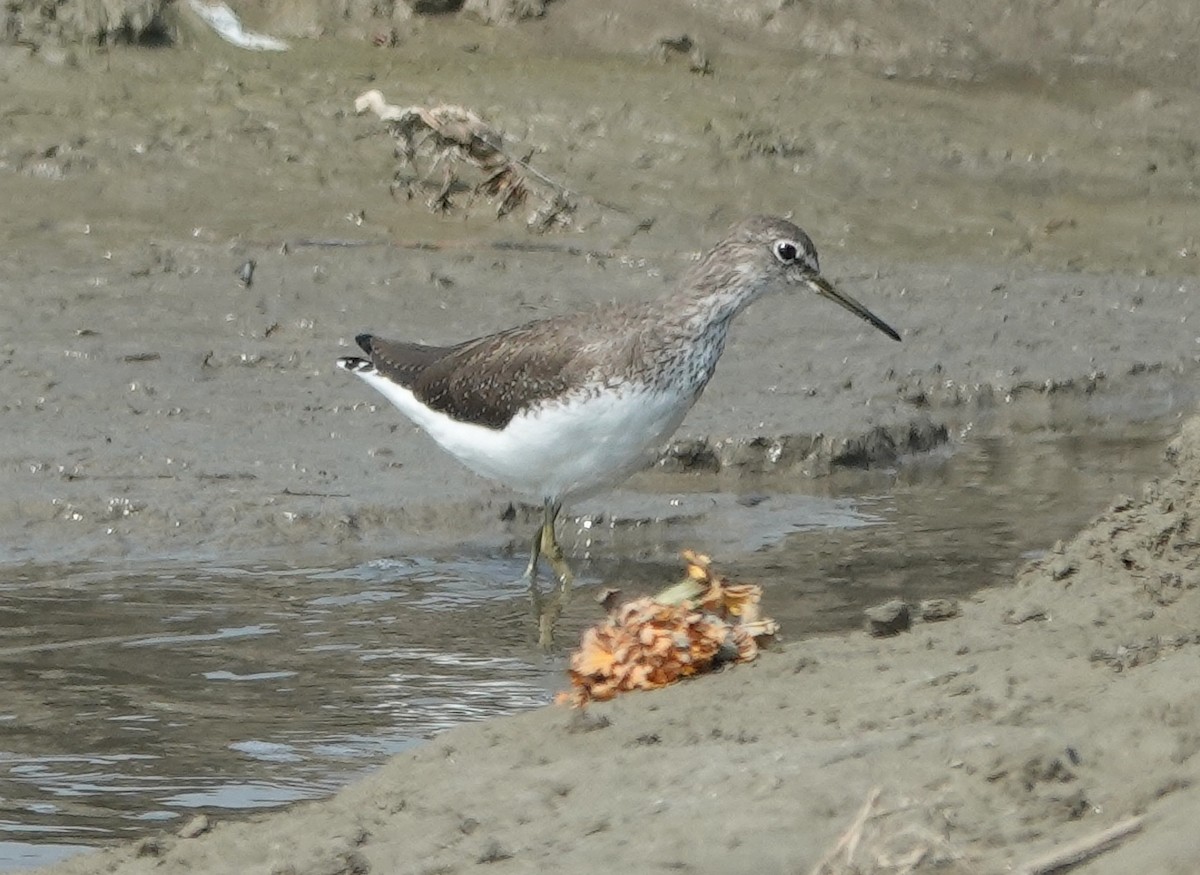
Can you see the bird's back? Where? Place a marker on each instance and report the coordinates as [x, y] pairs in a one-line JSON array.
[[489, 380]]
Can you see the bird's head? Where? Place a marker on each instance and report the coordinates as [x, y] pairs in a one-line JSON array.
[[771, 253]]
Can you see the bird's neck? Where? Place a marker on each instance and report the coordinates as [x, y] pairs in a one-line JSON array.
[[688, 332], [712, 293]]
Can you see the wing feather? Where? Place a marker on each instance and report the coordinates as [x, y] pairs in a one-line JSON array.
[[491, 379]]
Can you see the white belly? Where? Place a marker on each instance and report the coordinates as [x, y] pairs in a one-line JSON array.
[[562, 451]]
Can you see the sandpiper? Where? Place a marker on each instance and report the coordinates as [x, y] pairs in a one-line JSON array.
[[564, 407]]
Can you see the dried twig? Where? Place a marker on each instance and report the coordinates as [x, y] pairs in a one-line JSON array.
[[1083, 849], [851, 837], [880, 841]]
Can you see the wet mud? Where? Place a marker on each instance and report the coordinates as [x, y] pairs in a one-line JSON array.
[[1022, 211]]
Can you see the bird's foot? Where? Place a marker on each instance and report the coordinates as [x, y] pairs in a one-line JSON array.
[[549, 606]]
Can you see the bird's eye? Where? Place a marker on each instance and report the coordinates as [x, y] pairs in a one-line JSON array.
[[786, 251]]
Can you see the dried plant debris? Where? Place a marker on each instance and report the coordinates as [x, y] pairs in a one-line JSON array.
[[665, 47], [455, 138], [702, 622], [906, 835]]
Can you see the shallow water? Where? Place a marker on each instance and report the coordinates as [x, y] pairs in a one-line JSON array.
[[135, 698]]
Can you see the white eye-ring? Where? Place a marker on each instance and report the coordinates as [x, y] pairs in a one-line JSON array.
[[786, 251]]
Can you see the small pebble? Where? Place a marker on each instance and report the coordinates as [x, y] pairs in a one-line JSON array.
[[889, 618], [936, 610], [246, 273], [197, 826], [1024, 613], [1062, 567], [150, 846]]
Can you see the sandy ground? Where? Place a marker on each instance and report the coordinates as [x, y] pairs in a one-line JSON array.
[[1028, 226], [1045, 714]]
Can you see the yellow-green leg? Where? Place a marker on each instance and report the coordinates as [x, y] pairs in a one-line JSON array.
[[545, 543]]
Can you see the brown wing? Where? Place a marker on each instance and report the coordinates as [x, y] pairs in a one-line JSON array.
[[490, 380]]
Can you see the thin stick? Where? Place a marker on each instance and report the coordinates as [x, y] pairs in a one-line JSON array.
[[852, 836], [304, 242], [444, 245], [1083, 849]]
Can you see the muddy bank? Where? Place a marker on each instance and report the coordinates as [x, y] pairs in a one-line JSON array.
[[1087, 167], [212, 422], [973, 40], [134, 364], [1025, 217], [1046, 713]]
